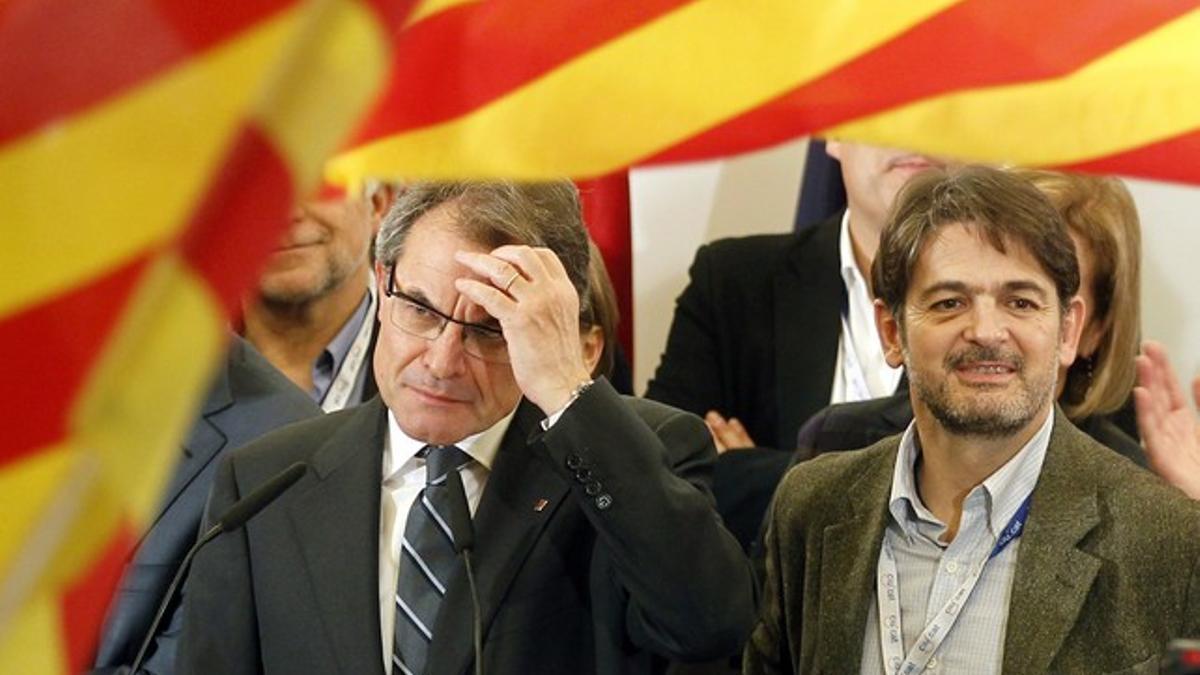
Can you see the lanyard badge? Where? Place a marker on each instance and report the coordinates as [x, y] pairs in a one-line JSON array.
[[891, 636]]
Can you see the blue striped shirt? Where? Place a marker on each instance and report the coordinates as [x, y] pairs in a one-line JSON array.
[[929, 571]]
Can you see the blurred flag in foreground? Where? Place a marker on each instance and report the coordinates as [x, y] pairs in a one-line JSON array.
[[150, 151]]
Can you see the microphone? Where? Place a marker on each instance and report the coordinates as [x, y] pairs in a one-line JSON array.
[[249, 506], [463, 533], [234, 517]]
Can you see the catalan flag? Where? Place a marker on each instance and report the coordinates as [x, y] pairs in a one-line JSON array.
[[150, 151], [585, 87]]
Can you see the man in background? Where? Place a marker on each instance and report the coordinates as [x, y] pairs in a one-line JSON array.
[[313, 314]]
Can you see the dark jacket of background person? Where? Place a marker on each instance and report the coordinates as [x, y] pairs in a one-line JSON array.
[[1108, 571], [755, 336], [248, 398]]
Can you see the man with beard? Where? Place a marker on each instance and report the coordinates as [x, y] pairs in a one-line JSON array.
[[313, 314], [913, 555], [773, 328]]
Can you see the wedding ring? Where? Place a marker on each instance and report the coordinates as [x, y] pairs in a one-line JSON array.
[[508, 284]]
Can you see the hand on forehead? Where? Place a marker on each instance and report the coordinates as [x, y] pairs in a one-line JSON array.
[[432, 281]]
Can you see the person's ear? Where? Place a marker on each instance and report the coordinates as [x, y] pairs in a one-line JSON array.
[[1072, 328], [381, 282], [834, 149], [891, 334], [381, 201], [591, 341]]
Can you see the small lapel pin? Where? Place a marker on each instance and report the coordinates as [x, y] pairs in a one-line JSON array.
[[539, 505]]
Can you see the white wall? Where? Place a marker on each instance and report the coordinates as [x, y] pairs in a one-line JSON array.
[[1171, 269], [675, 209]]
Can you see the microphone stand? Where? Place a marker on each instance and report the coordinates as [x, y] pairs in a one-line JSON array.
[[233, 518], [463, 530]]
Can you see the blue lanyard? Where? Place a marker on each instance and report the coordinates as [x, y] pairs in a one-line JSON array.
[[890, 635], [1013, 529]]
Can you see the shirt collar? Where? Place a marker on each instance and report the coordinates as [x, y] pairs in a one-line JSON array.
[[1005, 489], [401, 449], [848, 265], [339, 346]]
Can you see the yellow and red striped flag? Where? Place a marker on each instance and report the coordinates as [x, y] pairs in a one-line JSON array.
[[586, 87], [150, 151]]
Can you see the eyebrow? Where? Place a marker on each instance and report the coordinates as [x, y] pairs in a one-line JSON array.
[[418, 296], [1015, 286]]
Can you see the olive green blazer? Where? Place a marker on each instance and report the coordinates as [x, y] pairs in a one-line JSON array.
[[1107, 573]]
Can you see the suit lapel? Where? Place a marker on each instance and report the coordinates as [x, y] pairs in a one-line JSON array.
[[507, 523], [336, 524], [808, 298], [1053, 576], [850, 553]]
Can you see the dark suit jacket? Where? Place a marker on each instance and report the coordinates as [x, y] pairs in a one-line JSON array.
[[755, 333], [755, 336], [1108, 570], [247, 399], [573, 587]]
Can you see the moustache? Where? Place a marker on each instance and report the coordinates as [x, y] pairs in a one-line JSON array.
[[977, 353]]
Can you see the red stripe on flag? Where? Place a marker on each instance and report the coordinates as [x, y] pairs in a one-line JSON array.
[[1175, 159], [606, 212], [85, 599], [973, 44], [459, 59], [241, 218], [50, 350], [391, 14], [57, 58]]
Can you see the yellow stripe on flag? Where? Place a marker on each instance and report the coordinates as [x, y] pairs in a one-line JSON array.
[[124, 176], [341, 70], [644, 91], [1143, 92], [125, 431], [428, 8], [33, 643], [29, 489], [172, 333]]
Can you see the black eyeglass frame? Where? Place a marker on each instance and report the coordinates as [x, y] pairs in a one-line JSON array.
[[392, 292]]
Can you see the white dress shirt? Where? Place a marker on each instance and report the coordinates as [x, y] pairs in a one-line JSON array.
[[862, 372], [403, 479], [929, 571]]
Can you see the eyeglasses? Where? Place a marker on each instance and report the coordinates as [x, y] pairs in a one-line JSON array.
[[420, 320]]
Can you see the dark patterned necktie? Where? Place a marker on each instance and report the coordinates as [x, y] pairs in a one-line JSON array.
[[427, 561]]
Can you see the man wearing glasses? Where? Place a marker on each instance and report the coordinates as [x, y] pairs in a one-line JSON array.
[[596, 546]]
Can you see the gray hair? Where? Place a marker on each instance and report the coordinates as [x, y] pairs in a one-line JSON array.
[[495, 213]]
